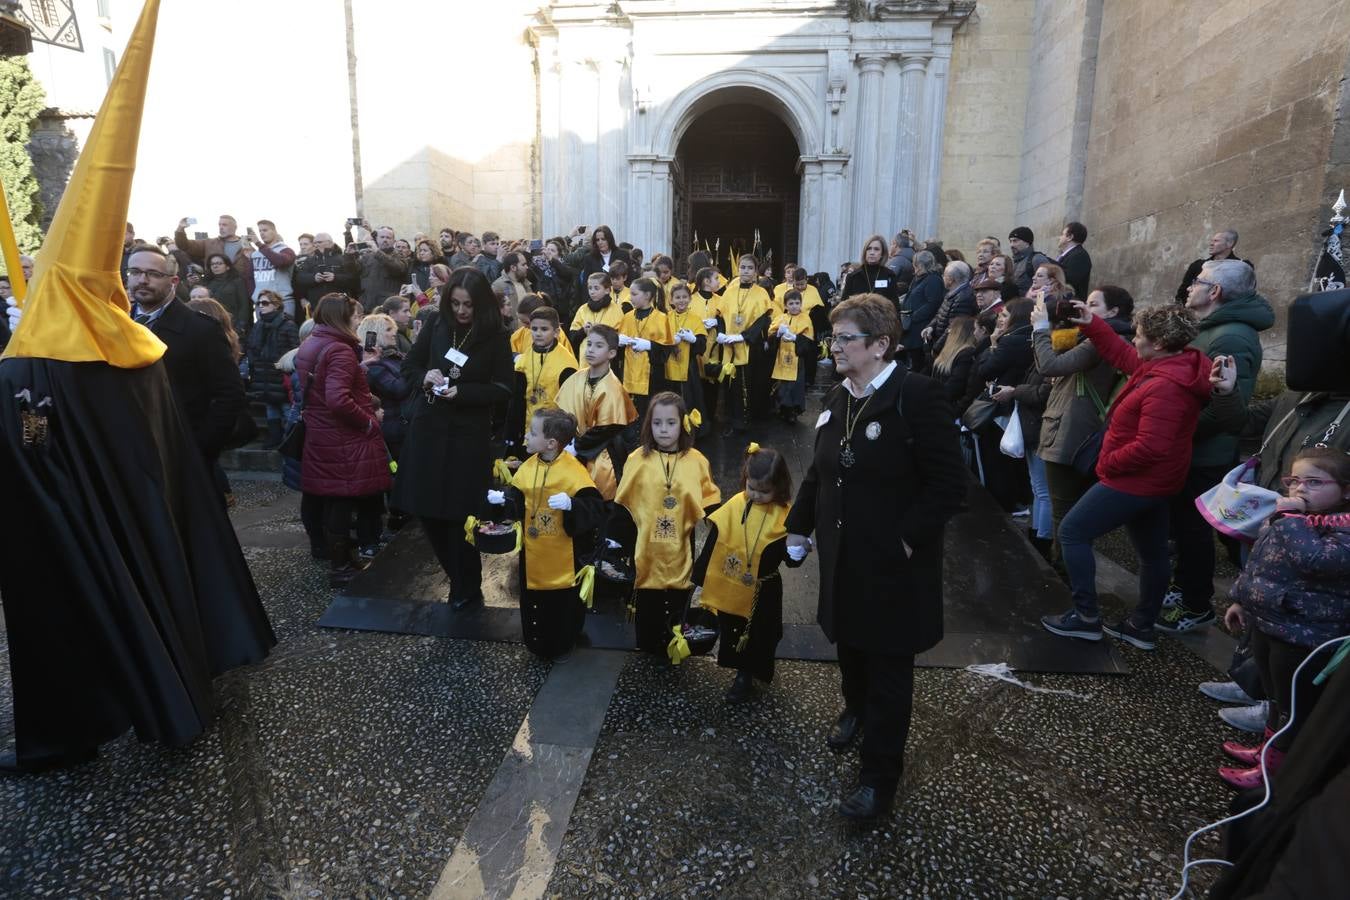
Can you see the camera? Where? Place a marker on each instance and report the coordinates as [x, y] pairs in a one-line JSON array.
[[1060, 309], [371, 338]]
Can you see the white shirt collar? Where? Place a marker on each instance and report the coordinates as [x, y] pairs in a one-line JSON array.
[[872, 386]]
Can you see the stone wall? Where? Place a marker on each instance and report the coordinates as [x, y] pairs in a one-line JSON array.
[[986, 111], [1210, 121]]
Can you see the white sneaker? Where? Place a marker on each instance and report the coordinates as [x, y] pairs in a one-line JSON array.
[[1172, 597], [1247, 718], [1226, 692]]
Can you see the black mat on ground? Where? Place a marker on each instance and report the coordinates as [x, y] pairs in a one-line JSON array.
[[996, 589]]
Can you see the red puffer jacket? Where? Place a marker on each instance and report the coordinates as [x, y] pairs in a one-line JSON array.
[[1147, 448], [345, 455]]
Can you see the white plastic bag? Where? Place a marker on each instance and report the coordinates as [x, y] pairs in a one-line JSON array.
[[1011, 444]]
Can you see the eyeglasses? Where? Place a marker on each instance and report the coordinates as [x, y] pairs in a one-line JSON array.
[[264, 303], [1311, 484], [1201, 281], [146, 273], [844, 337]]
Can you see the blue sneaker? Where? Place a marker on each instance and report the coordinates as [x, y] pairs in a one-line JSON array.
[[1071, 624], [1144, 638]]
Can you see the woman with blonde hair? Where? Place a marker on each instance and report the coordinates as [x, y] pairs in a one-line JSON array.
[[872, 276], [953, 365]]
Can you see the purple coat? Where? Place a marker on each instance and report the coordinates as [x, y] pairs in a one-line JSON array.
[[1297, 582], [345, 455]]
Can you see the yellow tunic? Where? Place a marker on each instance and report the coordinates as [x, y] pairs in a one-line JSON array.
[[785, 363], [810, 298], [549, 561], [677, 360], [521, 339], [735, 558], [721, 283], [663, 554], [543, 375], [595, 407], [622, 299], [610, 314], [637, 366], [739, 308]]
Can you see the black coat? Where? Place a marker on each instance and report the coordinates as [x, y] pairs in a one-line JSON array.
[[445, 466], [587, 264], [959, 301], [268, 342], [922, 303], [1009, 361], [345, 276], [878, 279], [906, 481], [203, 375], [231, 292], [958, 377], [1077, 266]]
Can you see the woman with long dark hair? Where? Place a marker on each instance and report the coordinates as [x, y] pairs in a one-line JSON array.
[[462, 363], [345, 460], [603, 251]]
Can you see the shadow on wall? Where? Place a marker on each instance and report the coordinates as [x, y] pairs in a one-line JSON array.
[[54, 147]]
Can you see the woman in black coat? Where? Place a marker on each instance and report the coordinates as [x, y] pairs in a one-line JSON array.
[[556, 278], [886, 474], [919, 306], [598, 256], [445, 467], [873, 276], [228, 288], [273, 336]]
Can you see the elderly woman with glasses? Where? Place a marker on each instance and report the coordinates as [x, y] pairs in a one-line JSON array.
[[885, 476]]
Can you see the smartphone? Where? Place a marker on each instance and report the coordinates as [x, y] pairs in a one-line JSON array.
[[191, 221], [536, 246], [370, 340], [354, 220]]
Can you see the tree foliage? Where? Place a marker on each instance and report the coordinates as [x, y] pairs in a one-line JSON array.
[[21, 99]]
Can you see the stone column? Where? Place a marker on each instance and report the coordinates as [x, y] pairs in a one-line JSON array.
[[888, 218], [908, 134], [837, 242], [550, 144], [660, 213], [935, 108], [612, 109], [639, 197], [867, 129], [809, 234]]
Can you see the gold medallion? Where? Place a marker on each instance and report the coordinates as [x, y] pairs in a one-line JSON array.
[[455, 372], [668, 503]]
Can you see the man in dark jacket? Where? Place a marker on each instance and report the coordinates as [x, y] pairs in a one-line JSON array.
[[228, 243], [383, 272], [1231, 315], [958, 301], [1221, 244], [325, 270], [901, 260], [200, 364], [919, 306], [1074, 258], [1026, 258]]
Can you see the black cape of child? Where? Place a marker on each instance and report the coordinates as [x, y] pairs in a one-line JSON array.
[[124, 587]]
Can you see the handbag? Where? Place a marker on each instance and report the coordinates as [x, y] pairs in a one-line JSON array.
[[979, 414], [292, 444], [1084, 460], [1012, 443]]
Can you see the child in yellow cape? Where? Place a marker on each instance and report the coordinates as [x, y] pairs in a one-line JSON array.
[[645, 336], [738, 569], [541, 369], [682, 360], [558, 508], [667, 489], [793, 339], [602, 408], [742, 314], [600, 309]]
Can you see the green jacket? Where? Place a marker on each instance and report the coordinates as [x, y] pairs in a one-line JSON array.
[[1292, 422], [1231, 330]]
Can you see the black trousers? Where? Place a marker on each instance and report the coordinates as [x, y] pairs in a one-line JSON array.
[[338, 511], [458, 558], [879, 688], [1194, 572], [657, 612], [766, 630], [1277, 660], [312, 517]]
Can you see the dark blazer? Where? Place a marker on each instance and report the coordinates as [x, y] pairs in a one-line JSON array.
[[203, 375], [1077, 266], [865, 281], [906, 481], [922, 302], [445, 466]]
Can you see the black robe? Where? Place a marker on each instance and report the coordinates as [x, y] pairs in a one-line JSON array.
[[124, 587]]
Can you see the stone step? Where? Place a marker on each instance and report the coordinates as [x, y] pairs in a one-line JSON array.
[[251, 458]]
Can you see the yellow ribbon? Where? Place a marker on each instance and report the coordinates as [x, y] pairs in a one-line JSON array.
[[502, 472], [728, 371], [585, 580], [692, 419], [393, 467], [678, 648], [824, 348], [520, 536], [470, 529], [751, 449]]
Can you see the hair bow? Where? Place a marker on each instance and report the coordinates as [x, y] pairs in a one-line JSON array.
[[692, 419], [752, 449]]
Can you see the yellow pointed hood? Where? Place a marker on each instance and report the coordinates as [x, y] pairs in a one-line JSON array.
[[77, 309]]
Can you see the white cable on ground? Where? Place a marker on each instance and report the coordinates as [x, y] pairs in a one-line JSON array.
[[1188, 864], [1003, 672]]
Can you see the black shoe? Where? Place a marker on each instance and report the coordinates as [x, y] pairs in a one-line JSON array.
[[1143, 638], [10, 765], [319, 552], [845, 731], [742, 689], [459, 604], [1071, 624], [866, 803], [1042, 546]]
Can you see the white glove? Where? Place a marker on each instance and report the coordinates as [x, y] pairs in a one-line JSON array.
[[571, 448], [612, 544], [735, 339], [515, 358], [14, 313], [688, 336], [496, 498], [624, 340], [723, 338], [560, 501], [797, 552], [641, 345], [709, 323]]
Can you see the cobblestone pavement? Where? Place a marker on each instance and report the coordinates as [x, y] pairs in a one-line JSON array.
[[348, 764]]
